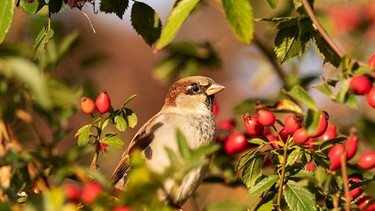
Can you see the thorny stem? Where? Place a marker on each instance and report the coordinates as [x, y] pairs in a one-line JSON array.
[[94, 162], [324, 33], [345, 178], [282, 175]]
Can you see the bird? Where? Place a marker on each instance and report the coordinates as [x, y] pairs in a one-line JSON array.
[[188, 107]]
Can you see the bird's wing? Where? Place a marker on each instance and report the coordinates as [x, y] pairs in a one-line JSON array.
[[141, 140]]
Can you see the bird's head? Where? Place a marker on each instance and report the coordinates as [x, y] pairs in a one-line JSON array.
[[195, 93]]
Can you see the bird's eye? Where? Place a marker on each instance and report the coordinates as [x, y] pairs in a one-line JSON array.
[[195, 87]]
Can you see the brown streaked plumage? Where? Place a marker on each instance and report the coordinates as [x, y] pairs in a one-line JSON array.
[[188, 108]]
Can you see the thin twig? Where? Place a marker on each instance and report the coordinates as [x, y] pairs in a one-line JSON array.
[[270, 56], [281, 185], [344, 174]]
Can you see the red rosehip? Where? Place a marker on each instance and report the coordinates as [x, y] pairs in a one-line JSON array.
[[101, 146], [90, 192], [266, 118], [35, 190], [322, 126], [236, 143], [215, 109], [284, 135], [334, 155], [351, 145], [359, 85], [293, 122], [87, 105], [72, 192], [227, 125], [252, 125], [367, 203], [371, 61], [103, 102], [272, 139], [300, 136], [367, 160], [121, 209], [354, 193], [267, 162], [223, 129], [309, 142], [329, 134], [311, 166], [371, 97]]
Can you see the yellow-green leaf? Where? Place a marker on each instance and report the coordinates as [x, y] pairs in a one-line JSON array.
[[239, 15], [6, 15], [300, 94], [178, 15]]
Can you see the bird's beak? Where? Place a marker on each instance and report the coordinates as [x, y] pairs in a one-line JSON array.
[[214, 88]]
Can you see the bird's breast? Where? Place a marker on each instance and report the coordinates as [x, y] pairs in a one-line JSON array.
[[198, 130]]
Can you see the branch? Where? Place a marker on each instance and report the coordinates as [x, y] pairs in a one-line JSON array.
[[324, 33], [270, 56]]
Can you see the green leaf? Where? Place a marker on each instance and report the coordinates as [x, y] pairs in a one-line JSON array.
[[83, 135], [272, 3], [146, 22], [168, 68], [263, 185], [114, 141], [183, 145], [288, 105], [257, 141], [266, 206], [299, 198], [29, 74], [252, 170], [178, 15], [344, 97], [41, 42], [61, 95], [312, 121], [292, 39], [245, 158], [6, 15], [324, 88], [204, 150], [128, 101], [68, 42], [56, 6], [114, 6], [325, 51], [131, 118], [300, 94], [227, 204], [293, 156], [31, 7], [120, 123], [321, 159], [239, 15]]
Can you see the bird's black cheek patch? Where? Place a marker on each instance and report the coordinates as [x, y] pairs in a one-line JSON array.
[[209, 101]]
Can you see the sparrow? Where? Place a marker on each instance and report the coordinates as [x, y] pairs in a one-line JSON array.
[[188, 107]]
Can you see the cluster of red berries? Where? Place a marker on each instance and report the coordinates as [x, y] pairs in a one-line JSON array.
[[102, 103], [293, 127], [87, 195], [256, 127], [362, 85]]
